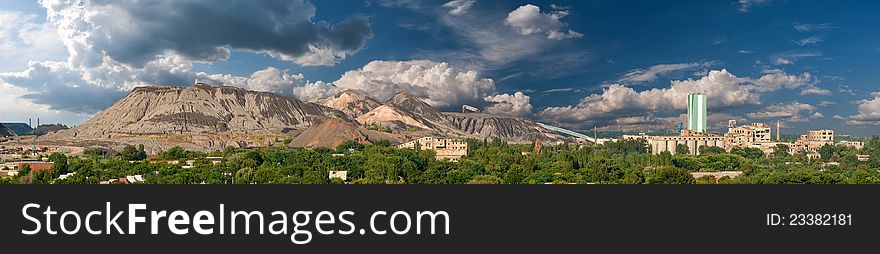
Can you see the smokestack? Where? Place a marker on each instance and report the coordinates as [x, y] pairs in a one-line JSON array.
[[38, 122], [596, 134], [30, 123], [778, 131]]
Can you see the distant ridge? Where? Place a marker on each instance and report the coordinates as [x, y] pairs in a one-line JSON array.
[[19, 128], [5, 131]]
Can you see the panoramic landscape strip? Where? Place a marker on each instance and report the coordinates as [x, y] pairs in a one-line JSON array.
[[439, 92], [352, 138]]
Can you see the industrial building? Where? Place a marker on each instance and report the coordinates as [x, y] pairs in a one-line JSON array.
[[445, 148], [694, 137], [693, 141], [755, 135]]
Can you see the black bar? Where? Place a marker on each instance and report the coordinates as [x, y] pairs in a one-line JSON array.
[[483, 218]]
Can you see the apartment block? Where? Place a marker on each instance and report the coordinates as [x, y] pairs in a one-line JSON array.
[[753, 135], [445, 148]]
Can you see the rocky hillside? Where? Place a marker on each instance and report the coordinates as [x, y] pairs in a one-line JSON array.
[[409, 103], [514, 129], [202, 109], [209, 118], [351, 102], [404, 111]]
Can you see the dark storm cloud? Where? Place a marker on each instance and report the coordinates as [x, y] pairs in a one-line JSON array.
[[134, 32]]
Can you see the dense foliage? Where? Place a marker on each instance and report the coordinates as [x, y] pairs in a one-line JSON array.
[[488, 162]]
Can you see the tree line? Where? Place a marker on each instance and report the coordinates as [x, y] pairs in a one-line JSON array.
[[487, 162]]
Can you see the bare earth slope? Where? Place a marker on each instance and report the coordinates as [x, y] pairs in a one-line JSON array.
[[351, 102], [202, 109], [404, 111], [330, 133]]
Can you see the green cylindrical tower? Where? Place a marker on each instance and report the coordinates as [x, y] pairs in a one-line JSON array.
[[697, 112]]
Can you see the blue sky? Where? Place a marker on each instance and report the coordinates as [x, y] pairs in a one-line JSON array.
[[618, 65]]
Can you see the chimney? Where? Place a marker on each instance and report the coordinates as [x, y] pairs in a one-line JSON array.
[[38, 122], [30, 123], [778, 131], [596, 135]]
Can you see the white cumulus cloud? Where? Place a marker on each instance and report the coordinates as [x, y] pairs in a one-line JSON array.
[[517, 104], [24, 38], [723, 89], [869, 112], [437, 83], [267, 80], [528, 19]]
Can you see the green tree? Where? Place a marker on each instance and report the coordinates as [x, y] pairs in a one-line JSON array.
[[457, 176], [349, 144], [515, 174], [781, 151], [627, 146], [633, 176], [94, 153], [671, 175], [682, 149], [174, 153], [706, 150], [59, 162], [130, 153], [42, 176], [24, 170], [485, 179], [383, 143], [748, 152], [831, 152]]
